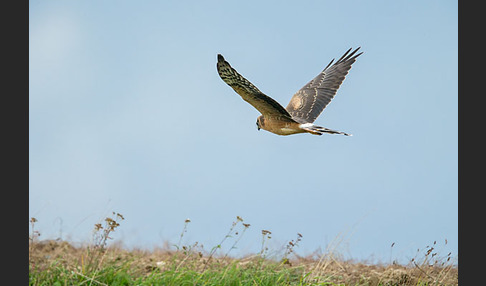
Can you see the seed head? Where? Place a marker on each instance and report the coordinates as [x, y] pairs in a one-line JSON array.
[[266, 232]]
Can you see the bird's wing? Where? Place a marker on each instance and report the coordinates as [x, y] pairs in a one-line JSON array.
[[310, 100], [250, 93]]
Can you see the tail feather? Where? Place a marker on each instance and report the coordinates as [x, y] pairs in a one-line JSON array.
[[318, 130]]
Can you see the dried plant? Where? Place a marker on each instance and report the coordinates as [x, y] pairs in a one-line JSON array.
[[431, 265], [245, 227], [265, 237], [32, 237], [184, 230], [230, 233], [95, 253], [289, 248]]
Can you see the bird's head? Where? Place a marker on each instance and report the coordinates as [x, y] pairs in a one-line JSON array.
[[260, 122]]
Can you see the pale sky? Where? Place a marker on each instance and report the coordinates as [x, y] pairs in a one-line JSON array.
[[128, 114]]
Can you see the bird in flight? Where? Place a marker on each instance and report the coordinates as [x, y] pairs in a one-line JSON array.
[[304, 107]]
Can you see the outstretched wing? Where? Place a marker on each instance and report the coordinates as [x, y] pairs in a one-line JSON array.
[[250, 93], [310, 100]]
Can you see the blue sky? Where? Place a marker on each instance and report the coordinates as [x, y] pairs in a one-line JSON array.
[[128, 114]]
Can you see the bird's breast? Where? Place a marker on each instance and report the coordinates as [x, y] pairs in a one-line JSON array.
[[281, 127]]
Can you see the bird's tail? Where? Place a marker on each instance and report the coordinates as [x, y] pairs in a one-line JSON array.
[[318, 130]]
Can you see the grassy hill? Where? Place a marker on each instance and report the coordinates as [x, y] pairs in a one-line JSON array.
[[97, 263]]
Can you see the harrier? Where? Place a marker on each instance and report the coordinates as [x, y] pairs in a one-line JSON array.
[[304, 107]]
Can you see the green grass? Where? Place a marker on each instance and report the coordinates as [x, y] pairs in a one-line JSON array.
[[97, 263], [125, 273]]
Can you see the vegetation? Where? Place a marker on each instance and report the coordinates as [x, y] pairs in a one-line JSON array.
[[61, 263]]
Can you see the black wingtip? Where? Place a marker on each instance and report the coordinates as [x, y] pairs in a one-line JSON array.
[[349, 56], [356, 51], [220, 58]]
